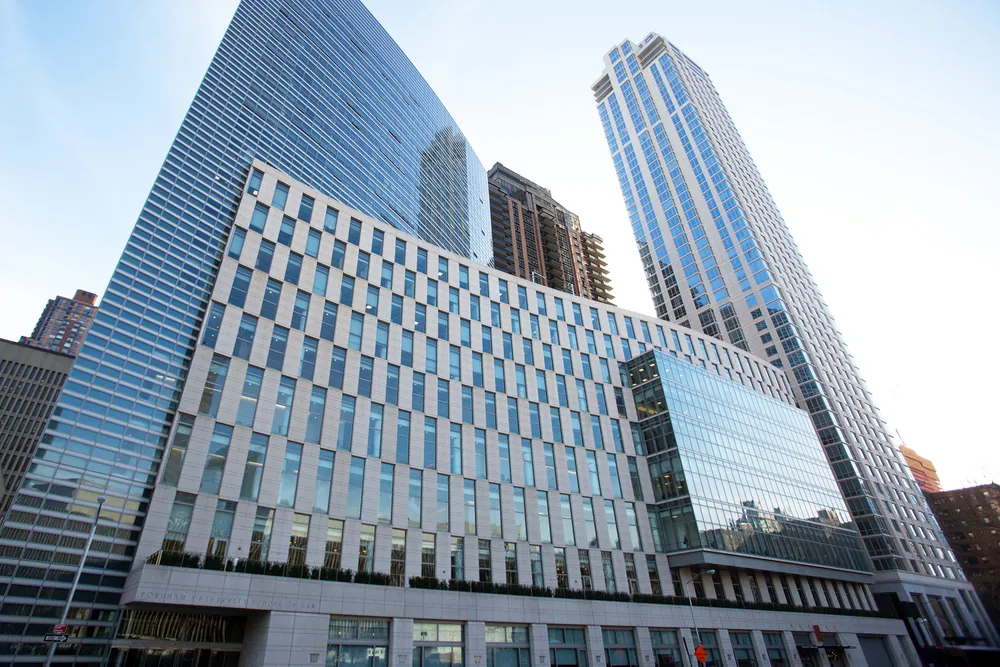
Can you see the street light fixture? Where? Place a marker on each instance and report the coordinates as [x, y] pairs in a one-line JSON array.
[[690, 598], [76, 577]]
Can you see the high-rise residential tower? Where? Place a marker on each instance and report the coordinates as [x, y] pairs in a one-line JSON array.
[[30, 380], [64, 323], [314, 87], [719, 258], [536, 238]]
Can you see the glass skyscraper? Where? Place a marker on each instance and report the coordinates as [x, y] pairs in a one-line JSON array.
[[719, 258], [315, 88]]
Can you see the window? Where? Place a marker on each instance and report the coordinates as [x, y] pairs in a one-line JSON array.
[[329, 324], [484, 285], [588, 521], [236, 243], [385, 482], [595, 481], [179, 522], [214, 383], [510, 562], [654, 577], [457, 558], [400, 251], [569, 534], [386, 280], [616, 484], [480, 444], [414, 510], [520, 525], [280, 196], [371, 301], [338, 255], [432, 291], [347, 291], [345, 428], [259, 217], [375, 430], [430, 443], [428, 556], [364, 263], [272, 295], [312, 243], [613, 537], [469, 504], [354, 232], [244, 337], [443, 503], [504, 447], [556, 420], [307, 362], [455, 363], [392, 384], [527, 462], [293, 269], [537, 576], [610, 584], [290, 475], [283, 406], [550, 465], [496, 521], [178, 450], [300, 311], [212, 324], [366, 550], [314, 420], [330, 220], [410, 284], [276, 351], [403, 436], [241, 285], [421, 260], [355, 486], [215, 463], [544, 526], [260, 536], [430, 356], [631, 575], [382, 340], [397, 558], [443, 398], [485, 561], [378, 241], [337, 363], [324, 481], [491, 409], [356, 332], [562, 573], [334, 543]]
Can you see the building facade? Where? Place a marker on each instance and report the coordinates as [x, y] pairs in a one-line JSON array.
[[719, 258], [30, 380], [923, 470], [316, 87], [536, 238], [362, 400], [64, 323], [970, 519]]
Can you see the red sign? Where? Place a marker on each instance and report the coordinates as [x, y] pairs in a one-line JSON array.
[[819, 634], [701, 654], [59, 629]]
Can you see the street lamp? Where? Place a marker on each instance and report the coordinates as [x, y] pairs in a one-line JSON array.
[[76, 577], [690, 598]]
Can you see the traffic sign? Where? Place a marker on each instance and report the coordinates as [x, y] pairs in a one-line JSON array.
[[54, 638], [701, 654], [59, 629]]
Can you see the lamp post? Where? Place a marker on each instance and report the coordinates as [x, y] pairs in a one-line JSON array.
[[76, 576], [694, 621]]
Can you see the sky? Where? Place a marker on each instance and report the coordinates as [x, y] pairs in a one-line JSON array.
[[873, 124]]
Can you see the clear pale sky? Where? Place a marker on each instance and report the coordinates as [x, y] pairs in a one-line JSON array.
[[875, 128]]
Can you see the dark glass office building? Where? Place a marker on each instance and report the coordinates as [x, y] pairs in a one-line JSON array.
[[736, 471], [315, 88]]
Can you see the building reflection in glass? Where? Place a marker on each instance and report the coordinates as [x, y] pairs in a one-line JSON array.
[[735, 470]]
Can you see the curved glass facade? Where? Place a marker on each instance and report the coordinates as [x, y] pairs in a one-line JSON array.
[[735, 470]]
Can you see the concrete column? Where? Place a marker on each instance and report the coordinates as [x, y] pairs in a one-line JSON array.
[[855, 656], [687, 646], [923, 634], [475, 643], [902, 651], [963, 611], [595, 645], [985, 624], [956, 626], [937, 632], [539, 636], [643, 646], [793, 653], [726, 646], [809, 601], [727, 584], [759, 647], [400, 641]]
